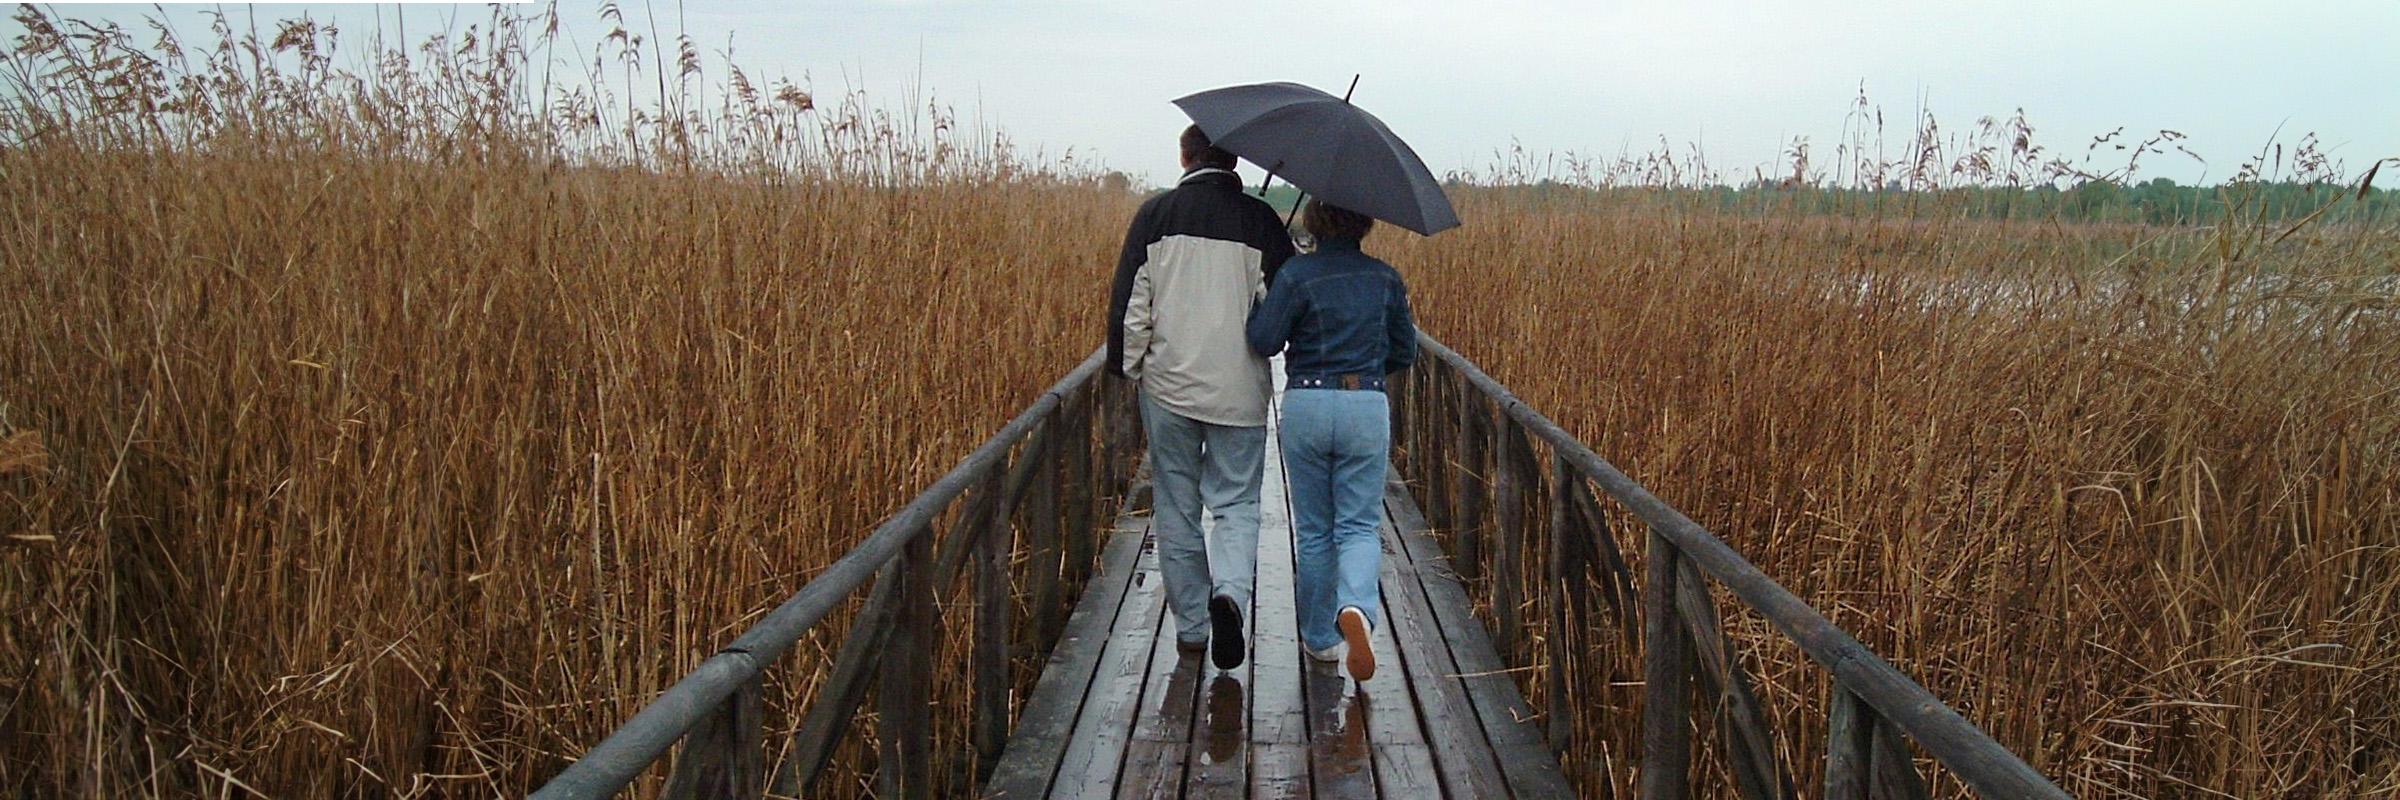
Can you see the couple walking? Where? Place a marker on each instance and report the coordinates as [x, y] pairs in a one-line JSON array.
[[1208, 287]]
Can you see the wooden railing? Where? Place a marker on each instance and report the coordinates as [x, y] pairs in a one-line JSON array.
[[1040, 486], [1469, 447]]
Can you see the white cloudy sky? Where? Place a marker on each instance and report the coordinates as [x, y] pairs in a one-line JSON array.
[[1462, 81]]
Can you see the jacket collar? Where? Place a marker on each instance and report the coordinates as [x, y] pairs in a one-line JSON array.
[[1337, 245], [1204, 175]]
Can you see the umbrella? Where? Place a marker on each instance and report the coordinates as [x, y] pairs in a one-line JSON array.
[[1327, 147]]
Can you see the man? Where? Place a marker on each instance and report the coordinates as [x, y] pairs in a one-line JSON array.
[[1196, 259]]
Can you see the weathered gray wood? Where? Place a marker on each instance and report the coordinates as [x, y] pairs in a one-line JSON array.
[[1462, 754], [1895, 774], [1970, 753], [1096, 752], [1666, 675], [1526, 765], [1162, 725], [1279, 771], [1121, 411], [1081, 496], [1742, 723], [1219, 759], [1441, 437], [993, 606], [1388, 703], [1278, 734], [1849, 739], [721, 756], [1562, 586], [1217, 762], [828, 719], [1602, 557], [1404, 765], [1405, 771], [1467, 493], [1048, 720], [1340, 763], [633, 747], [1046, 554], [905, 728], [1510, 453]]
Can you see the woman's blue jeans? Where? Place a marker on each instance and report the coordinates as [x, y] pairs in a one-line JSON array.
[[1336, 449]]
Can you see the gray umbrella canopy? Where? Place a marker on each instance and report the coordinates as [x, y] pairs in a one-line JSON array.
[[1327, 147]]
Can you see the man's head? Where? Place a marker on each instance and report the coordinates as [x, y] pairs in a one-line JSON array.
[[1198, 152], [1328, 221]]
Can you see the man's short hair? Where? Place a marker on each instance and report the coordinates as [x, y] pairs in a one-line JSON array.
[[1201, 153], [1328, 221]]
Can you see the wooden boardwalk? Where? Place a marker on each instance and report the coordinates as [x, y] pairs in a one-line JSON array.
[[1119, 712]]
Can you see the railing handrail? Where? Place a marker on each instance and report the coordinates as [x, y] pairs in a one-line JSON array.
[[1967, 750], [633, 747]]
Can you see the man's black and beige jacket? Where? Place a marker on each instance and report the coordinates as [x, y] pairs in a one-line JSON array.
[[1196, 259]]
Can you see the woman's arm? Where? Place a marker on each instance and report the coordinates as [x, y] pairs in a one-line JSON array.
[[1400, 349], [1271, 322]]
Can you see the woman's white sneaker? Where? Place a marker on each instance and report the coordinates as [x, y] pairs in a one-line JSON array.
[[1353, 623]]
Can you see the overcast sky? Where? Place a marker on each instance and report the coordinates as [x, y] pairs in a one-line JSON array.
[[1462, 81]]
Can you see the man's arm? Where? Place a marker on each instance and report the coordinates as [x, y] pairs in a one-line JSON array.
[[1129, 265], [1137, 326], [1274, 247]]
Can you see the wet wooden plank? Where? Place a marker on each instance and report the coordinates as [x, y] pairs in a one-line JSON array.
[[1509, 724], [1279, 771], [1391, 705], [1462, 756], [1047, 721], [1162, 730], [1278, 732], [1104, 727], [1339, 761], [1153, 771], [1219, 757], [1404, 770], [1217, 763]]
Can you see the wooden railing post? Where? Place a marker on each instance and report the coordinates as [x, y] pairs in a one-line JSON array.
[[1865, 754], [722, 755], [1895, 773], [1749, 740], [1076, 477], [1512, 457], [1564, 588], [1119, 449], [992, 606], [1666, 675], [1466, 504], [1047, 555], [844, 691], [907, 672], [1441, 414], [1849, 735]]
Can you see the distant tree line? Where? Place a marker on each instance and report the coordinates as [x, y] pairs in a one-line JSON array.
[[2158, 201]]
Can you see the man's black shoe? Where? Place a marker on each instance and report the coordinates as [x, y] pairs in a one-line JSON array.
[[1226, 646]]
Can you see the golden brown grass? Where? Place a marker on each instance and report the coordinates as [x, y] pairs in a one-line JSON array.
[[2124, 497], [403, 438], [394, 452]]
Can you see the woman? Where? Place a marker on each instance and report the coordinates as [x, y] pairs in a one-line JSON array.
[[1341, 319]]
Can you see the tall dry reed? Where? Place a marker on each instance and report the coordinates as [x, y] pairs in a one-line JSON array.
[[392, 434], [2123, 496]]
